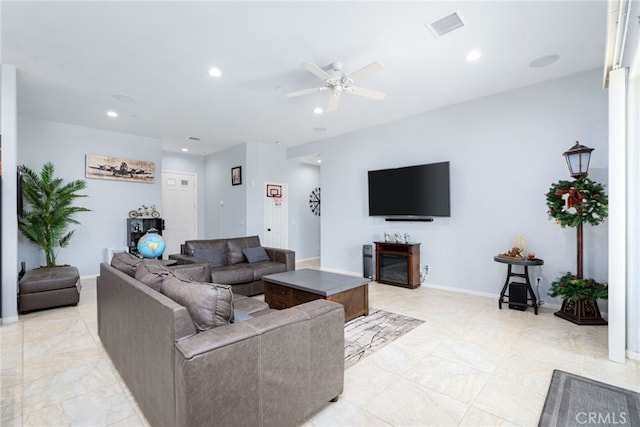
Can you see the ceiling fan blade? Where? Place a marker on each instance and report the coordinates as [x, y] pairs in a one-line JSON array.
[[306, 91], [367, 93], [372, 68], [334, 100], [314, 69]]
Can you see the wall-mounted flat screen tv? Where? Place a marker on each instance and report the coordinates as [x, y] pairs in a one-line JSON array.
[[412, 191]]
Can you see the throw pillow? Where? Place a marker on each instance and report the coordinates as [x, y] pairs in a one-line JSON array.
[[210, 305], [236, 245], [152, 272], [125, 262], [255, 254], [214, 255]]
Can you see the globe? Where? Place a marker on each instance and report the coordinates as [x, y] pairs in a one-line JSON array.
[[151, 245]]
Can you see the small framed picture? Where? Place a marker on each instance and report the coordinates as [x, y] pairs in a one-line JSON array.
[[236, 175]]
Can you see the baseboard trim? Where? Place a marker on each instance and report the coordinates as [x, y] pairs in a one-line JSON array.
[[307, 259], [633, 355], [7, 320]]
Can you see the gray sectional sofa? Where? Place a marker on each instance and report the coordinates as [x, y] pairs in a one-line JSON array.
[[273, 368], [237, 261]]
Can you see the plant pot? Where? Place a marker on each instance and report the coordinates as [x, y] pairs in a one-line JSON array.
[[581, 312]]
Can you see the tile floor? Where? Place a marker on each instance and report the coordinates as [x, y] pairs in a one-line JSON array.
[[469, 364]]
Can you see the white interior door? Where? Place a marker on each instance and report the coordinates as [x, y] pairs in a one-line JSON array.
[[178, 209], [276, 215]]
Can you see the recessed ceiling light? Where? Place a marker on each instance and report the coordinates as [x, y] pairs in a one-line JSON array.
[[318, 110], [124, 98], [112, 114], [319, 160], [543, 61], [185, 150], [214, 72], [320, 129], [474, 55]]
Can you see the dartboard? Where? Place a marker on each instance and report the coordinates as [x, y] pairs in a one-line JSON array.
[[314, 201]]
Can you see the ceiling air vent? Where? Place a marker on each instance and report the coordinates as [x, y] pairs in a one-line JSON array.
[[447, 24], [194, 138]]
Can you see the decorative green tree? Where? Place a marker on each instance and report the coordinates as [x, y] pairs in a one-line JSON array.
[[50, 210]]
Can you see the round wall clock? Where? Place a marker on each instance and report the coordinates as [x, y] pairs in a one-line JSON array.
[[314, 201]]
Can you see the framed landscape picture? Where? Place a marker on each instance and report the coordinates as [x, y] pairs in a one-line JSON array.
[[105, 167]]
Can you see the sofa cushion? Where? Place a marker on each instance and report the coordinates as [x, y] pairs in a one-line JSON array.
[[125, 262], [199, 272], [240, 316], [214, 255], [248, 305], [236, 245], [209, 304], [152, 272], [269, 267], [257, 254], [190, 245], [232, 274]]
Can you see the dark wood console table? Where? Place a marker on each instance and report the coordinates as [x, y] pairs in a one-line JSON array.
[[398, 264], [525, 263]]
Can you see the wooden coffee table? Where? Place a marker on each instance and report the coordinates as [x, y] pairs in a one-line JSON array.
[[284, 290]]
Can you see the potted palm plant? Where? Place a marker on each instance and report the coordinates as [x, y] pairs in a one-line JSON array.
[[50, 209]]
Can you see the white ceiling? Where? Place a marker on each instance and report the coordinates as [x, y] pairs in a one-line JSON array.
[[74, 56]]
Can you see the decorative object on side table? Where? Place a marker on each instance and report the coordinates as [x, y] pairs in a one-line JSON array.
[[518, 245], [145, 212], [151, 245], [572, 203]]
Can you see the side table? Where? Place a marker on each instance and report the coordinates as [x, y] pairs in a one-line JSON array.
[[525, 263]]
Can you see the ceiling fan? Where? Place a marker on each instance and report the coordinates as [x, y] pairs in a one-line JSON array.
[[339, 83]]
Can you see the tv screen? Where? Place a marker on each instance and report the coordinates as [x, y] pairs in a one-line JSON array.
[[420, 191]]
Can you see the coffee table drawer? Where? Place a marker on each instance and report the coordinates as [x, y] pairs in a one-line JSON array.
[[300, 297], [278, 297]]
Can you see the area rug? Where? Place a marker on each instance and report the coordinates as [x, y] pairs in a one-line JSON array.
[[577, 401], [365, 335]]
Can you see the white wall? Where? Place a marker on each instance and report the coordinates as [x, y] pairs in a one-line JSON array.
[[187, 163], [304, 226], [8, 126], [228, 220], [266, 162], [243, 210], [110, 201], [505, 152]]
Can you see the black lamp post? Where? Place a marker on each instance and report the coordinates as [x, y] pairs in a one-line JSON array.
[[578, 158]]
